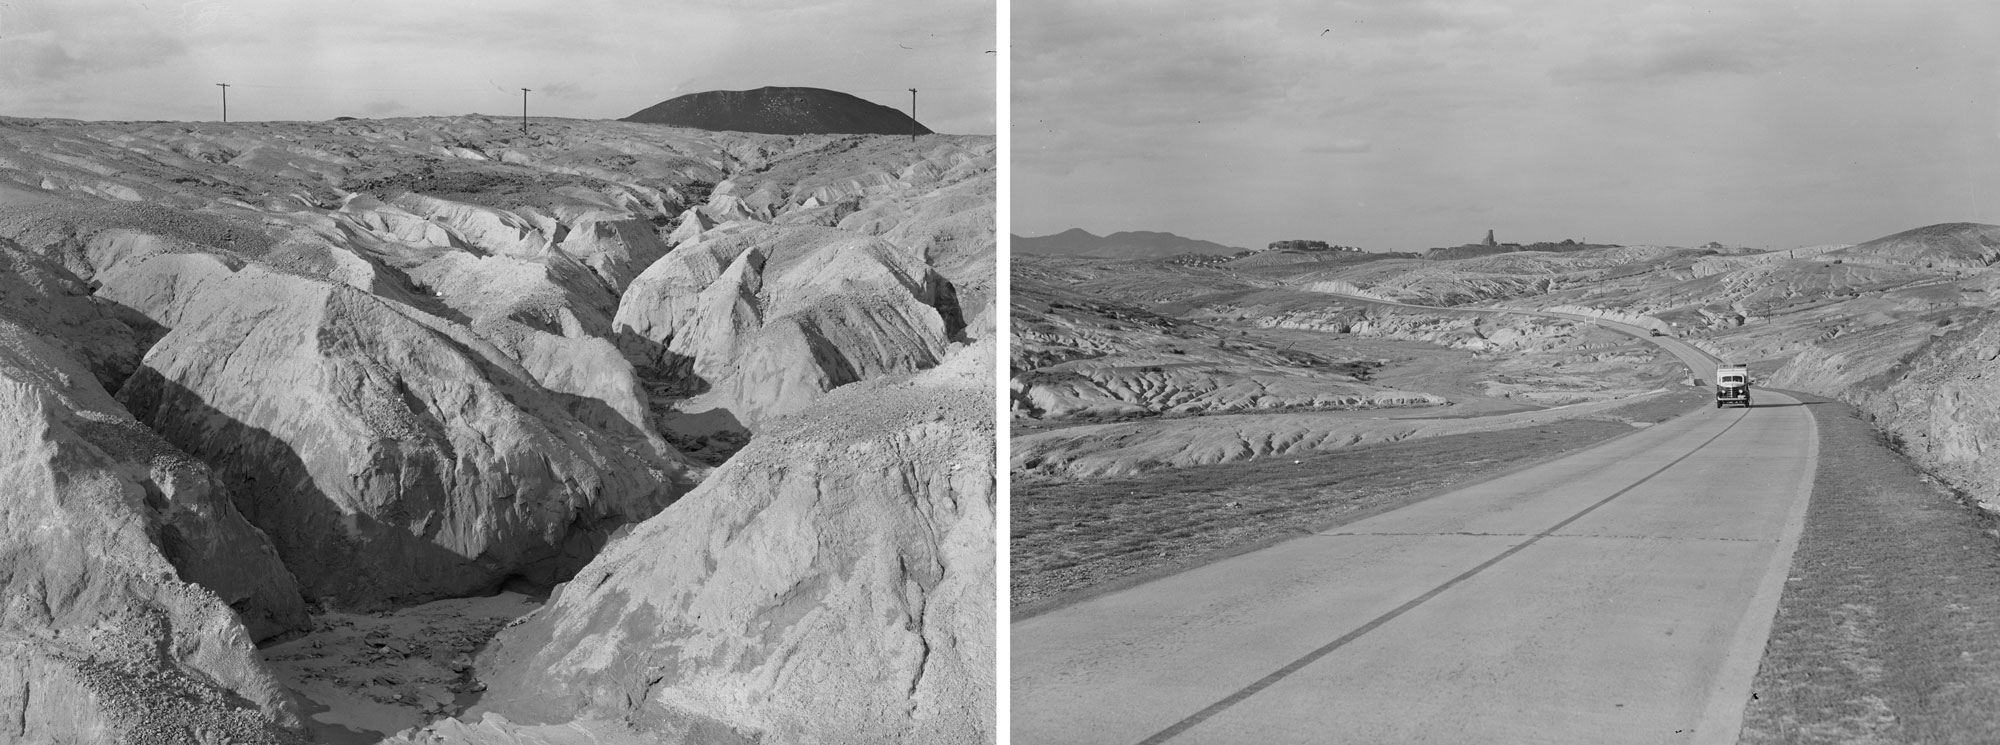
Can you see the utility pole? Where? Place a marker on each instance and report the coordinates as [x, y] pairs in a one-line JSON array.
[[524, 111], [913, 115], [225, 101]]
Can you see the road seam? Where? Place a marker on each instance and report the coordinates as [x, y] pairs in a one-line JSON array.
[[1721, 721], [1267, 681], [1619, 536]]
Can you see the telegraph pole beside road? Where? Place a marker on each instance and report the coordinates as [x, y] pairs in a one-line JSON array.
[[524, 111], [913, 115], [225, 101]]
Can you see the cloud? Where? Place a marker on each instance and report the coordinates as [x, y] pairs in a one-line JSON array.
[[1134, 64], [1670, 43], [51, 55], [566, 91], [1059, 152], [1340, 147], [1417, 18]]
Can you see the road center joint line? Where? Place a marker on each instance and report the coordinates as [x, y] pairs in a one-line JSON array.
[[1605, 536], [1314, 656]]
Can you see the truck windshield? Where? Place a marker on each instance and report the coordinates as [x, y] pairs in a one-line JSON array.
[[1732, 378]]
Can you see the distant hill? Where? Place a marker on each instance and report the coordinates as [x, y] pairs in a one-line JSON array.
[[1135, 244], [779, 111], [1951, 244]]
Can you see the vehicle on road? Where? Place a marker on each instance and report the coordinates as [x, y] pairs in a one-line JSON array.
[[1732, 385], [1657, 332]]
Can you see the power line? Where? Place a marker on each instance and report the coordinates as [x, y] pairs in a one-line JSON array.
[[950, 89], [329, 88]]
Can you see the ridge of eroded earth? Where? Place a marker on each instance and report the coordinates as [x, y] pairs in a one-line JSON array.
[[366, 392]]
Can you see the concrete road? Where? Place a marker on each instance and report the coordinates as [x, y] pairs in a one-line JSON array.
[[1622, 594]]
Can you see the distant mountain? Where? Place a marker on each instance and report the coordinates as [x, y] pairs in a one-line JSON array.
[[780, 111], [1134, 244]]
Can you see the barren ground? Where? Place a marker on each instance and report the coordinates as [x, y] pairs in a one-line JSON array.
[[364, 676], [1889, 628], [1886, 631], [1073, 539]]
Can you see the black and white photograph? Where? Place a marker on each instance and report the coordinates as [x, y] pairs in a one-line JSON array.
[[1503, 372], [600, 372], [1511, 372]]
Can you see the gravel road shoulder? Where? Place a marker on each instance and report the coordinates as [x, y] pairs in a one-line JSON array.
[[1889, 627]]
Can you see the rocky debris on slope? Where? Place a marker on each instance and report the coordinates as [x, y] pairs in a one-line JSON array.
[[764, 319], [371, 675], [779, 110], [832, 583], [101, 638]]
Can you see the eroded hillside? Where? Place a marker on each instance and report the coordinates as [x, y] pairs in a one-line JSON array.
[[1121, 368], [273, 375], [1901, 325]]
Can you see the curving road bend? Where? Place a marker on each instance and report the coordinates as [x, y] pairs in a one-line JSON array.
[[1621, 594], [1701, 364]]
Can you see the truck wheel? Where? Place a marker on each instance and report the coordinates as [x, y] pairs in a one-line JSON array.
[[1718, 404]]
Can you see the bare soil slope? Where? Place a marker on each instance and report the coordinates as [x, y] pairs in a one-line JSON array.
[[1879, 637], [828, 585], [1203, 366], [274, 378]]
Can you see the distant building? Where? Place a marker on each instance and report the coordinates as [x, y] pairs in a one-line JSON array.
[[1307, 245], [1489, 238]]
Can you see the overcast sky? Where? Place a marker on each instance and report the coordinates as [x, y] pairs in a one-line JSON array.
[[293, 59], [1407, 124]]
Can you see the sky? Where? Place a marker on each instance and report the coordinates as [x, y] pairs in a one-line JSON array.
[[1408, 124], [600, 59]]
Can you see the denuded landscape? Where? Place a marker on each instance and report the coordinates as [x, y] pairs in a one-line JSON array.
[[477, 430], [1222, 466]]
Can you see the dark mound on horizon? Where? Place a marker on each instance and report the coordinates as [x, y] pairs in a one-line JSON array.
[[780, 111]]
